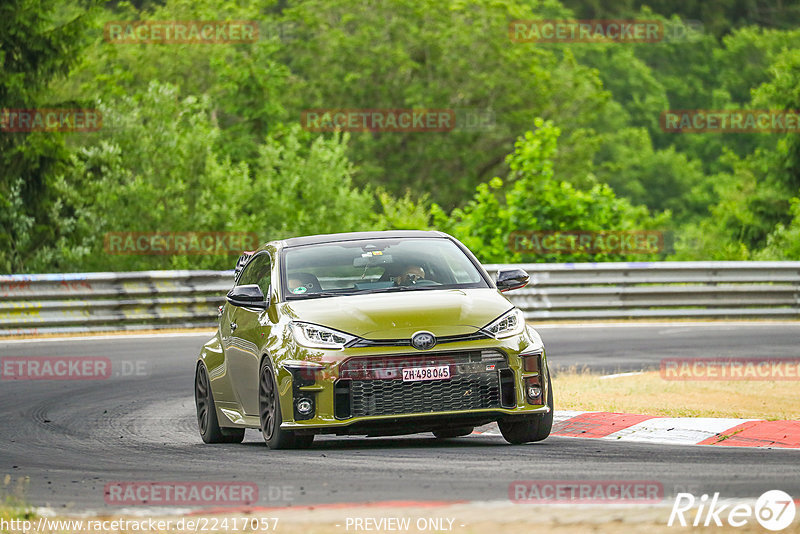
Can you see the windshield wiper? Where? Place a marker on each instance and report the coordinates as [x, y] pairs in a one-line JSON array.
[[401, 288], [324, 294], [321, 294]]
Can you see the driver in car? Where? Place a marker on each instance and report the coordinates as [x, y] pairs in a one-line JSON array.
[[410, 275]]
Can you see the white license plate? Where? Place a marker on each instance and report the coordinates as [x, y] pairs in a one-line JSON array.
[[415, 374]]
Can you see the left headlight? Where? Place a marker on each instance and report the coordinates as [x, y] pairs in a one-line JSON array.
[[319, 337], [509, 324]]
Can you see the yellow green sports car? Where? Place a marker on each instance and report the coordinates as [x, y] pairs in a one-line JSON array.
[[371, 333]]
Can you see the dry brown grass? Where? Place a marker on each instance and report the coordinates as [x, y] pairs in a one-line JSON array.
[[649, 394]]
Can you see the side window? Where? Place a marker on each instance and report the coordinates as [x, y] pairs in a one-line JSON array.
[[258, 271]]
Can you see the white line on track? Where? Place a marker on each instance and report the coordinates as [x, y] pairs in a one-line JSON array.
[[618, 375]]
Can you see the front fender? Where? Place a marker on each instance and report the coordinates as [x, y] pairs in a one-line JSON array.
[[212, 356]]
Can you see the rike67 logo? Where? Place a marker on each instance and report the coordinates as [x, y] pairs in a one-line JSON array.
[[774, 510]]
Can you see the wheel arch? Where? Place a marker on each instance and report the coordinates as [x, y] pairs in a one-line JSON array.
[[284, 385]]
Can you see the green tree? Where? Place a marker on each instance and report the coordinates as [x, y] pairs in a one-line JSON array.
[[719, 16], [39, 41], [535, 199], [245, 81], [440, 55], [159, 169], [756, 212]]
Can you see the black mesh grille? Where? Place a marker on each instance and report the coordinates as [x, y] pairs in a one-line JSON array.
[[390, 397]]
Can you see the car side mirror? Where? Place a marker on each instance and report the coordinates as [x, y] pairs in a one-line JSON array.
[[511, 279], [248, 296]]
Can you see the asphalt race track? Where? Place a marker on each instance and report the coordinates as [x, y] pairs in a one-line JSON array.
[[73, 437]]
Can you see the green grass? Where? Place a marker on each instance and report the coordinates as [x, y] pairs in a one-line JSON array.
[[11, 509], [12, 502]]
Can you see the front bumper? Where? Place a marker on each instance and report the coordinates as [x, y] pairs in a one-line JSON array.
[[488, 383]]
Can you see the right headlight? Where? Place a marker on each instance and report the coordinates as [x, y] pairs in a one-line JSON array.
[[509, 324], [320, 337]]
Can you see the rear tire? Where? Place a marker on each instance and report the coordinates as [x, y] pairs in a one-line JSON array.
[[448, 433], [207, 421], [530, 428], [269, 410]]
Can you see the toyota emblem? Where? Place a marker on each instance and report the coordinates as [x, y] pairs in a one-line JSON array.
[[423, 341]]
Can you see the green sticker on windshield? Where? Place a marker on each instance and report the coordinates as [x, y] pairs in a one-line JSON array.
[[299, 290]]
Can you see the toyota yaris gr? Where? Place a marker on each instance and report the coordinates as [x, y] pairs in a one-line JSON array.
[[371, 333]]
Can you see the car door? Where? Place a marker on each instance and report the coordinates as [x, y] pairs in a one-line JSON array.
[[245, 325]]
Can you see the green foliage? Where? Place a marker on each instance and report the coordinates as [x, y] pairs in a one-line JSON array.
[[401, 213], [755, 216], [39, 41], [208, 137], [784, 242], [244, 81], [439, 55], [482, 225], [718, 16], [308, 190], [159, 170], [534, 199], [661, 179]]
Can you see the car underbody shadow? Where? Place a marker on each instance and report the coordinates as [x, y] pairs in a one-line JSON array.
[[417, 441]]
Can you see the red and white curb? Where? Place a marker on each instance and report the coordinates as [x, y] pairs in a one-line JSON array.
[[676, 430]]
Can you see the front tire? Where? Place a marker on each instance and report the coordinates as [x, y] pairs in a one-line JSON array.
[[207, 421], [529, 428], [269, 410]]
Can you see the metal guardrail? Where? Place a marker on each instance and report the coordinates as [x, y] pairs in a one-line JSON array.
[[96, 302], [724, 289], [53, 303]]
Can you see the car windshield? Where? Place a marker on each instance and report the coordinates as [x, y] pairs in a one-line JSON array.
[[377, 266]]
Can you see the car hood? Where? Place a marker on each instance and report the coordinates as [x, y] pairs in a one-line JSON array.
[[399, 315]]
